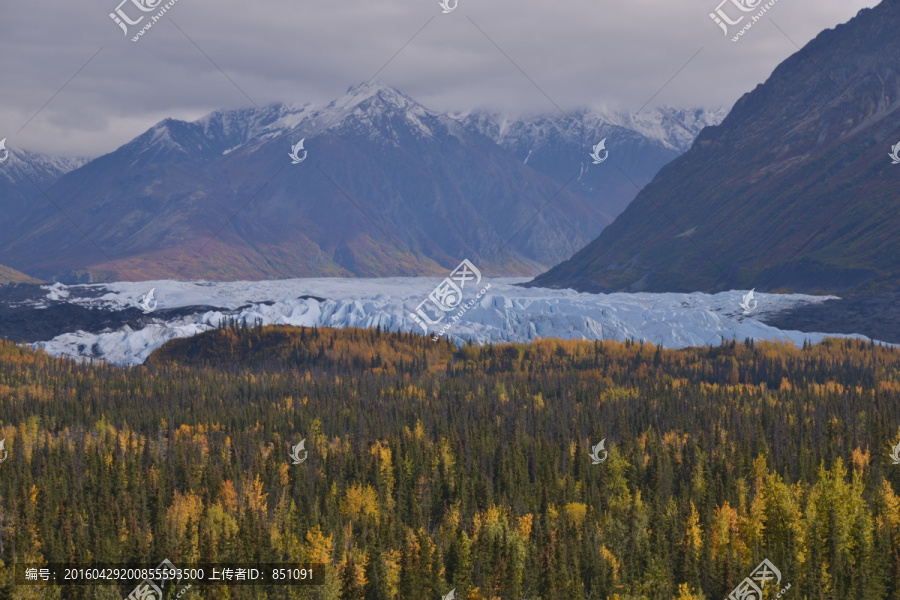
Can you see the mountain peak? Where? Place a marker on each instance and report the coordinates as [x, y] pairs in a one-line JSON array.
[[374, 96], [40, 168], [369, 89], [382, 111]]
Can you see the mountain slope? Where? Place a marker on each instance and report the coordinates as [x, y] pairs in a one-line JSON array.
[[8, 275], [793, 190]]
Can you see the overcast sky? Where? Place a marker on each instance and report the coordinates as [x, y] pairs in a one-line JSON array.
[[615, 53]]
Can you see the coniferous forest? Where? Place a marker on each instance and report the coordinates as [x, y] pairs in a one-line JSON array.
[[433, 468]]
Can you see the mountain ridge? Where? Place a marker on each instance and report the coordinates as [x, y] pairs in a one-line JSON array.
[[389, 188]]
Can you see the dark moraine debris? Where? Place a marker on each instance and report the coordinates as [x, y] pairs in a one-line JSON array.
[[876, 316]]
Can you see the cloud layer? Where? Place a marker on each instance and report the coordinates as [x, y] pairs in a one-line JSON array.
[[514, 56]]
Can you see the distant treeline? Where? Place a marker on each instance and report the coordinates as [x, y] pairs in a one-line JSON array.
[[432, 467]]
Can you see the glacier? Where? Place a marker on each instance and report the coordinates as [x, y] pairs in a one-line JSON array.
[[505, 313]]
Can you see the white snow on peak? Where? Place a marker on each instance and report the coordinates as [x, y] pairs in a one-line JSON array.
[[37, 165], [364, 91], [370, 102], [251, 124], [364, 106], [670, 127], [161, 136], [505, 313], [368, 107], [367, 102], [673, 127]]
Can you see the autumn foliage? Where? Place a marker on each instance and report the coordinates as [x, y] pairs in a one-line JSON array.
[[433, 467]]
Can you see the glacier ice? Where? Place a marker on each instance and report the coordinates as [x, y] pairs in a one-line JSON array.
[[507, 313]]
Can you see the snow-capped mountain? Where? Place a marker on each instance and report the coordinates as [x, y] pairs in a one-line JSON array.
[[388, 187], [102, 321], [558, 146], [672, 128], [366, 108], [43, 169], [24, 176]]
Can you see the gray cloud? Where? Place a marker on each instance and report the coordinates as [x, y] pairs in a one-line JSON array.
[[578, 52]]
